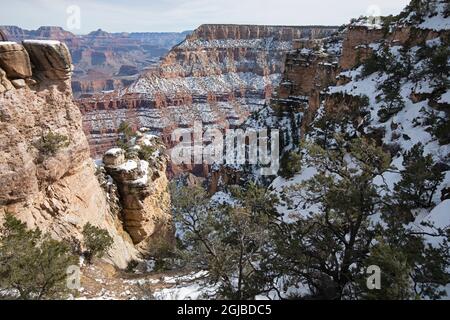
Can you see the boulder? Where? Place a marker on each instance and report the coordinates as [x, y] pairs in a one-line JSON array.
[[19, 83], [14, 60], [5, 84], [51, 59]]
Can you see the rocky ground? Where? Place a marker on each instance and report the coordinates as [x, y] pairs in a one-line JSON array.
[[102, 281]]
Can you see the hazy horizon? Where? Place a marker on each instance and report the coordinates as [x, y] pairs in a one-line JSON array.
[[84, 16]]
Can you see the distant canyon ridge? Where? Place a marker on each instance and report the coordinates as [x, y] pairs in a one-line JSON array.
[[104, 61], [219, 75]]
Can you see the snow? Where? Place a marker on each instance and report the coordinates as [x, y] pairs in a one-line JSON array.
[[440, 215], [222, 198], [292, 211], [144, 169], [438, 22], [196, 291], [2, 43], [262, 43], [193, 286], [43, 42], [114, 152], [190, 277], [128, 166], [445, 98]]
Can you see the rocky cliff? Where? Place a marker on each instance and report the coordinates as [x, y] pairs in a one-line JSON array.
[[47, 176], [218, 75], [388, 81]]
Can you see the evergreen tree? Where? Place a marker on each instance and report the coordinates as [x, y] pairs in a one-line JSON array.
[[226, 240], [329, 250], [126, 133], [420, 179], [290, 164], [97, 241], [325, 251], [31, 263]]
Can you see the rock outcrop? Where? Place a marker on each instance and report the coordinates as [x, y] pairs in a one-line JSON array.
[[219, 75], [51, 59], [142, 186], [51, 185], [14, 60]]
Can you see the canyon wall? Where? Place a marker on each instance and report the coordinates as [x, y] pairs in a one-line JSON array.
[[47, 176], [218, 76]]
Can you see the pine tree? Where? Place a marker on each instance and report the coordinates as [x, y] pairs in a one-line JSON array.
[[31, 263], [290, 164], [321, 250], [420, 179], [97, 241], [329, 250], [226, 240], [396, 283]]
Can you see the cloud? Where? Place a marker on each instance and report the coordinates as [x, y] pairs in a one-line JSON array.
[[178, 15]]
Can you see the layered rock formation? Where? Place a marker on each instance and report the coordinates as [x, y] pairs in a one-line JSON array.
[[316, 66], [218, 75], [100, 57], [47, 176]]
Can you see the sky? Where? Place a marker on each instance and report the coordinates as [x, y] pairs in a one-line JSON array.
[[83, 16]]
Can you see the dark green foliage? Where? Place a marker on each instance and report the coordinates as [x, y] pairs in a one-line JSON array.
[[393, 102], [442, 131], [375, 63], [438, 64], [387, 21], [31, 263], [395, 281], [438, 125], [290, 164], [146, 153], [126, 133], [420, 179], [50, 143], [97, 241], [308, 247], [329, 251]]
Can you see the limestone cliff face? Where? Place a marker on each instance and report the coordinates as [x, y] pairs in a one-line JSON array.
[[219, 75], [57, 192]]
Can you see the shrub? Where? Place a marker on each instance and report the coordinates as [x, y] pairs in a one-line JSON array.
[[146, 152], [442, 131], [31, 263], [126, 133], [420, 179], [373, 64], [290, 164], [97, 241], [49, 144], [391, 96]]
